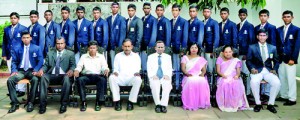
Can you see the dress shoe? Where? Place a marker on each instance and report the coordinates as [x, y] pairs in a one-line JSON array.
[[164, 109], [98, 106], [271, 108], [118, 106], [29, 107], [157, 108], [289, 103], [281, 99], [63, 109], [129, 106], [257, 108], [42, 109], [20, 94], [13, 108], [83, 106]]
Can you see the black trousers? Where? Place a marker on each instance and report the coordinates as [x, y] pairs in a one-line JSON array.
[[100, 82], [13, 80], [63, 80]]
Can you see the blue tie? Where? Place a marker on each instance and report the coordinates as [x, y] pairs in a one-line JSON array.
[[26, 62], [159, 72], [57, 64]]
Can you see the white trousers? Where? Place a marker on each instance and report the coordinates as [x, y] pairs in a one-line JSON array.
[[287, 75], [166, 89], [246, 71], [268, 77], [116, 81]]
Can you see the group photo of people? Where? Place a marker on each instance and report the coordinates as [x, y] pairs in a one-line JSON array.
[[195, 63]]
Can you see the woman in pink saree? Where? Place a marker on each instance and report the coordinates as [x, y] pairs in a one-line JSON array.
[[230, 93], [195, 88]]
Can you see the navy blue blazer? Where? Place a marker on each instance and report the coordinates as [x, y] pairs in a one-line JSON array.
[[38, 35], [254, 59], [164, 31], [51, 35], [179, 33], [84, 34], [211, 35], [12, 41], [68, 32], [117, 31], [245, 37], [150, 29], [135, 31], [288, 48], [101, 33], [35, 57], [196, 32], [229, 34], [271, 33]]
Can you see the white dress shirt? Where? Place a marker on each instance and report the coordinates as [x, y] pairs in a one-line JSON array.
[[266, 49], [79, 23], [127, 66], [60, 70], [242, 23], [23, 59], [285, 29], [166, 64], [92, 65]]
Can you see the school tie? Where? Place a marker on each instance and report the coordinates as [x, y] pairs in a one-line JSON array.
[[128, 24], [204, 21], [12, 30], [159, 72], [241, 25], [113, 19], [285, 31], [191, 21], [261, 26], [223, 24], [30, 29], [174, 22], [79, 23], [26, 60], [57, 64], [94, 24], [47, 27], [263, 53], [62, 25]]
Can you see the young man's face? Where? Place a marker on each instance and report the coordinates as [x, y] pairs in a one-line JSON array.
[[160, 48], [34, 18], [14, 20], [175, 12], [93, 49], [159, 12], [80, 14], [26, 38], [114, 9], [263, 18], [206, 13], [131, 12], [48, 16], [262, 37], [224, 15], [193, 12], [287, 18], [242, 16], [96, 14], [147, 9], [65, 14]]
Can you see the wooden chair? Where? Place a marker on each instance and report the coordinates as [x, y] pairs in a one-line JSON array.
[[27, 82]]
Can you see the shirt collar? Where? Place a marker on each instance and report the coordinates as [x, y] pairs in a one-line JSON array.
[[243, 21], [114, 15], [262, 44], [26, 46], [129, 54], [132, 17], [225, 21], [97, 55], [14, 26], [176, 18], [61, 52], [287, 26]]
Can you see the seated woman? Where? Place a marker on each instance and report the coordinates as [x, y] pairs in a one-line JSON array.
[[230, 93], [195, 88]]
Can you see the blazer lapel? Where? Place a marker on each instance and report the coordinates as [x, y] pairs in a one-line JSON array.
[[9, 31], [258, 51], [64, 54], [281, 33], [269, 50], [54, 56]]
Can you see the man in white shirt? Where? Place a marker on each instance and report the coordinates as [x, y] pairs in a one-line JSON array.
[[159, 67], [127, 65], [92, 67]]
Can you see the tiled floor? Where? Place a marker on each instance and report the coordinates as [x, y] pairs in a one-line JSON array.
[[147, 113]]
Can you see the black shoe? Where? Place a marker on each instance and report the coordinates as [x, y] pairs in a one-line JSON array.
[[281, 99], [13, 108], [98, 106], [249, 96], [83, 106], [42, 109], [118, 106], [271, 108], [164, 109], [264, 98], [29, 107], [63, 109], [257, 108], [129, 106], [158, 109], [289, 103], [20, 94]]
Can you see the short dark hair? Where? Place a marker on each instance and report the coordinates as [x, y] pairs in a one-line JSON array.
[[127, 40], [225, 9], [176, 6], [66, 8], [131, 6], [60, 38], [159, 41], [25, 33], [97, 9], [93, 42], [190, 45], [234, 51], [262, 31], [206, 7], [161, 6], [243, 10], [114, 3], [80, 8], [14, 14], [264, 11], [147, 4], [287, 12], [49, 12], [193, 6], [34, 12]]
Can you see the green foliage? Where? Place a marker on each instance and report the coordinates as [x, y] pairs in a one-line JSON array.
[[2, 26]]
